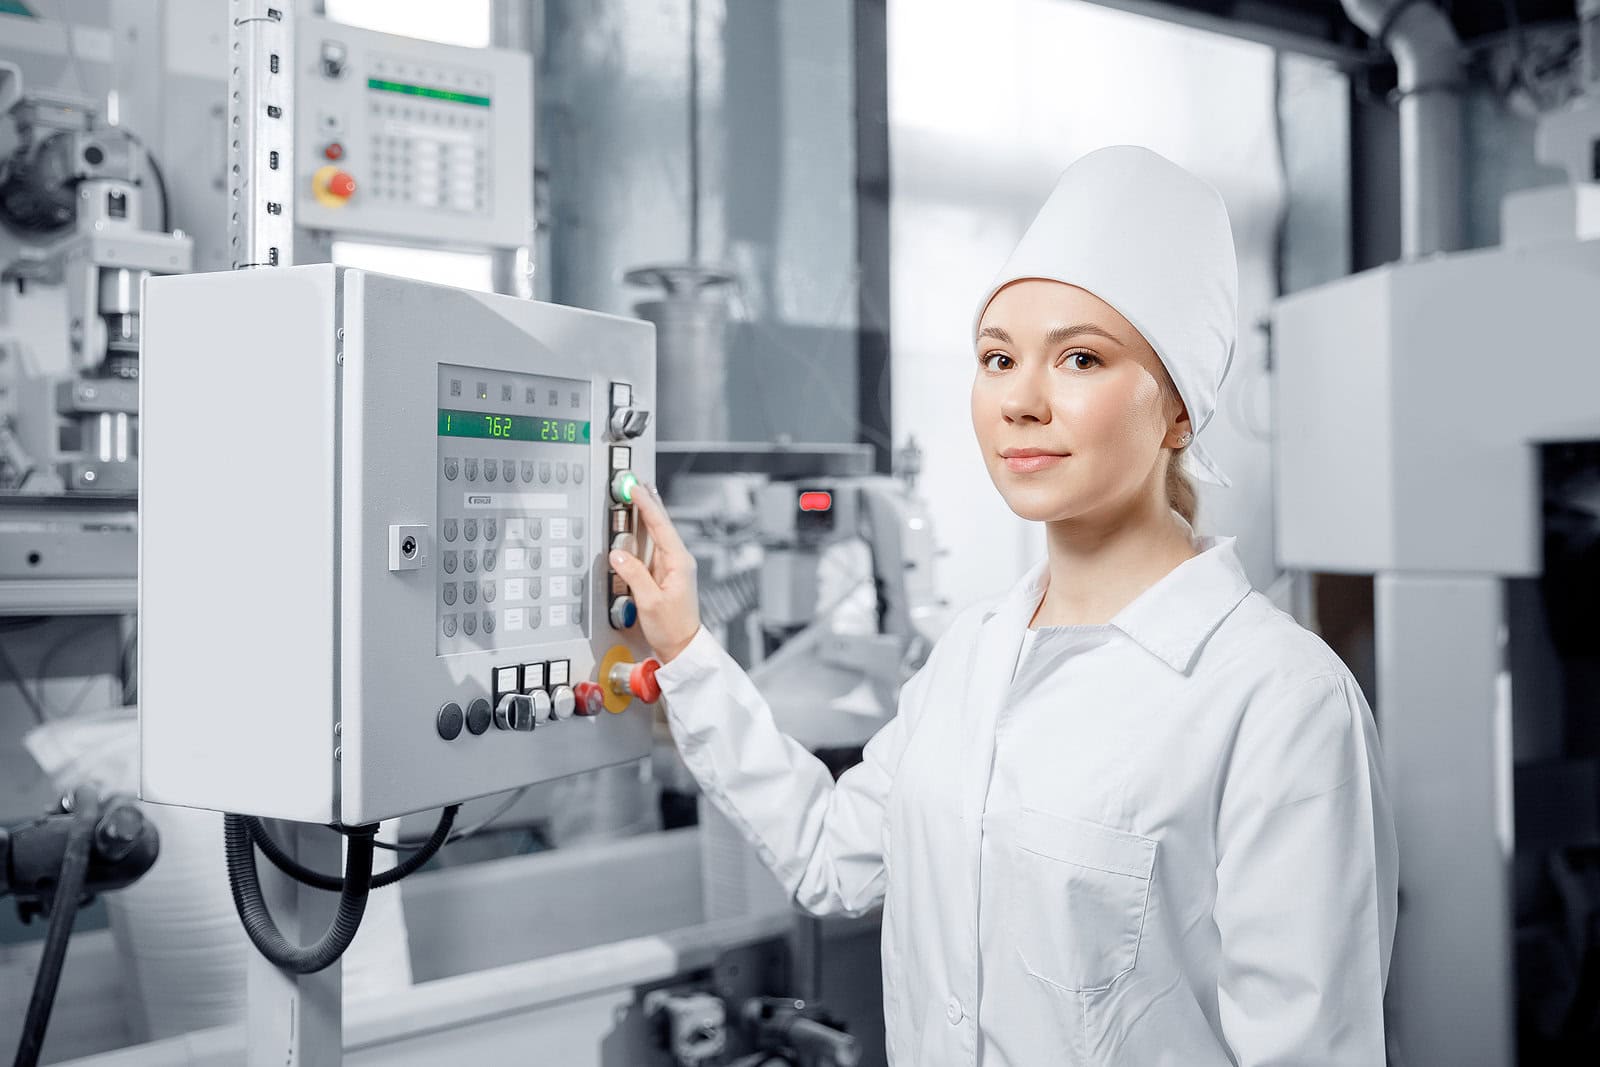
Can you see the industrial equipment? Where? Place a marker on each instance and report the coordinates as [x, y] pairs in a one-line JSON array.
[[1427, 401]]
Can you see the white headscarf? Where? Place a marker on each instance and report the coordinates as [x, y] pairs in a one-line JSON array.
[[1153, 241]]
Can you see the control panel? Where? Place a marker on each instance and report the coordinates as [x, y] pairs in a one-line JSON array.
[[411, 139], [421, 496]]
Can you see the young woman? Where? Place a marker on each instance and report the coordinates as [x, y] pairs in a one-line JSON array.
[[1131, 814]]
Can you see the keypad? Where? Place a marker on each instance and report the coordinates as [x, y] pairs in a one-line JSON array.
[[427, 152], [512, 513]]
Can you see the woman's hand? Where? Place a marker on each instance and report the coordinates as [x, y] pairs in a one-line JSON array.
[[665, 592]]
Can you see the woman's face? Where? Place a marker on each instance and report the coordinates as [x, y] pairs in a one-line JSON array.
[[1069, 403]]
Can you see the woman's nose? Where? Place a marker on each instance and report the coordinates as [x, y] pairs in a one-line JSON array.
[[1025, 399]]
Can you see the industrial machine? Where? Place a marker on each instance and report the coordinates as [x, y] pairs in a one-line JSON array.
[[83, 207], [1443, 419]]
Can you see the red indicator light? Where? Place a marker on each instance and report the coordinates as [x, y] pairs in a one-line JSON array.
[[815, 501], [335, 150]]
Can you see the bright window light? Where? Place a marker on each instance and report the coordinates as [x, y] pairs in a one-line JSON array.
[[463, 22], [464, 270]]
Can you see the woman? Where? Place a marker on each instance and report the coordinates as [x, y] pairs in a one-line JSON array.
[[1131, 814]]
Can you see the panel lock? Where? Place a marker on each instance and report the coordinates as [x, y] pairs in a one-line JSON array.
[[408, 548]]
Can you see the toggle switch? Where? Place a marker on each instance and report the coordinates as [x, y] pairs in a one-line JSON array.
[[514, 712], [628, 423]]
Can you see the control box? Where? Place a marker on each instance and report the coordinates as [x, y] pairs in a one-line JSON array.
[[412, 140], [374, 521]]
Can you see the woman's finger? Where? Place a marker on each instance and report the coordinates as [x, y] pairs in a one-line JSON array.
[[635, 574], [658, 524]]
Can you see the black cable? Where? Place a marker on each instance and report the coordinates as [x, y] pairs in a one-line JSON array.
[[316, 879], [63, 913], [258, 924]]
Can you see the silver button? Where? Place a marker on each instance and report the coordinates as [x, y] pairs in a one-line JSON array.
[[469, 529], [449, 592], [952, 1011], [561, 473], [544, 472], [469, 624], [491, 470], [450, 562], [488, 622], [508, 470], [491, 528], [577, 529], [535, 558], [450, 469], [577, 474], [527, 471], [449, 625], [469, 592], [469, 560], [488, 559], [450, 529], [470, 469], [488, 592], [535, 528]]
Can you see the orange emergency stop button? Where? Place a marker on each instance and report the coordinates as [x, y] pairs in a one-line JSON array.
[[332, 187]]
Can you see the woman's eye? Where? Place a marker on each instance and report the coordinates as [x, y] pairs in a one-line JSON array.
[[997, 361], [1083, 360]]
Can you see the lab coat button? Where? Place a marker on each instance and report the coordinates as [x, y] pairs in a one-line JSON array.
[[952, 1011]]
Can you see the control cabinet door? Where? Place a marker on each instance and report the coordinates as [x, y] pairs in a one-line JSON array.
[[475, 509]]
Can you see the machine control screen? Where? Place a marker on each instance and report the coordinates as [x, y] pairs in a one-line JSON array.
[[514, 485]]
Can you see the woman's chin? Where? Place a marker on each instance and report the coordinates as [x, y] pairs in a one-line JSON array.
[[1038, 503]]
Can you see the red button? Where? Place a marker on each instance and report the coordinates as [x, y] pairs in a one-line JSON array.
[[591, 701], [815, 501], [642, 681], [342, 185], [335, 150]]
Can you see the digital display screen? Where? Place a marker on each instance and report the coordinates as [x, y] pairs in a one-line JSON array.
[[426, 91], [454, 423]]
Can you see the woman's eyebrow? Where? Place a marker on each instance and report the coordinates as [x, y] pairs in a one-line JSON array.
[[997, 333], [1066, 333]]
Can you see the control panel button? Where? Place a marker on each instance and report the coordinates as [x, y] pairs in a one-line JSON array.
[[478, 715], [561, 473], [535, 618], [589, 700], [491, 470], [469, 529], [577, 529], [452, 529], [577, 474], [450, 561], [469, 560], [469, 624], [535, 588], [543, 706], [508, 470], [488, 592], [514, 712], [623, 485], [491, 529], [577, 585], [564, 702], [452, 467], [488, 622], [469, 467], [449, 592], [625, 542], [535, 529], [623, 613], [544, 472], [449, 625], [527, 470], [488, 559], [450, 720], [629, 422], [642, 681]]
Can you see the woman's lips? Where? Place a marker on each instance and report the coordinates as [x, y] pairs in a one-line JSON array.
[[1030, 464]]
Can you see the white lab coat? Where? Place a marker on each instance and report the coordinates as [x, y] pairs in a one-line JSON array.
[[1166, 840]]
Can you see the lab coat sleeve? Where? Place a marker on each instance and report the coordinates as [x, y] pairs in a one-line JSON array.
[[823, 839], [1306, 881]]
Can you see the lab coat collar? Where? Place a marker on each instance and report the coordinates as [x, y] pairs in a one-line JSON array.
[[1173, 618]]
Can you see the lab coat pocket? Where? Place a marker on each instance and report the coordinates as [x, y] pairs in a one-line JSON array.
[[1078, 896]]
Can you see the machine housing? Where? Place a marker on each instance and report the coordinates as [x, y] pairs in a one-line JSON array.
[[294, 660]]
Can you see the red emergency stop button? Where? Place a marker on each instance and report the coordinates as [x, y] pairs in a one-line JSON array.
[[642, 681], [332, 187], [334, 150]]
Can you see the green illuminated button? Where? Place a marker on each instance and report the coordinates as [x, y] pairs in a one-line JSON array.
[[623, 485]]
